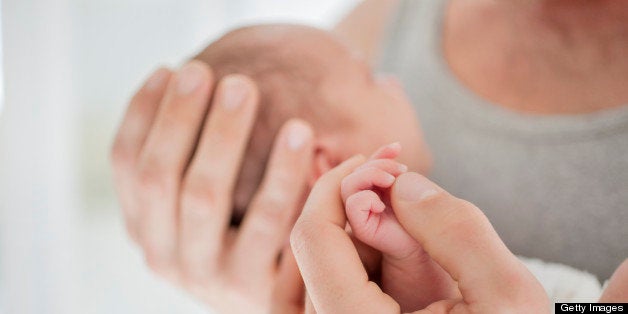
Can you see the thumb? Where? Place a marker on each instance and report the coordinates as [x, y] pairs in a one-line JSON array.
[[617, 290], [459, 237]]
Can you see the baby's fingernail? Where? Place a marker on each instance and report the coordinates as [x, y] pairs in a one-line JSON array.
[[403, 168], [298, 134], [190, 77], [157, 80], [413, 187], [235, 91]]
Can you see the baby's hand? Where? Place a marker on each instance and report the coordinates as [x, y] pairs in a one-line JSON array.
[[406, 267], [365, 193]]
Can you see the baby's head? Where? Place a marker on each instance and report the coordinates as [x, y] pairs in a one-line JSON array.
[[307, 73]]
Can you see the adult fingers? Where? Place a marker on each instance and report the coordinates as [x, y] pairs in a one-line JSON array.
[[163, 158], [267, 224], [206, 194], [139, 117], [289, 293], [460, 238], [617, 289], [130, 137], [331, 268]]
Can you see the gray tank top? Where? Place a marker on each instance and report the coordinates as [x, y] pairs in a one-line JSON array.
[[554, 187]]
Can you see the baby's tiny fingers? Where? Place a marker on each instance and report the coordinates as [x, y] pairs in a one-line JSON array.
[[364, 202], [389, 151], [389, 165], [359, 208], [365, 179]]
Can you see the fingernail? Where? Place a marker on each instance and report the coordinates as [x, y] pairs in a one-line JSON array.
[[157, 80], [298, 135], [413, 187], [189, 78], [235, 91], [403, 168]]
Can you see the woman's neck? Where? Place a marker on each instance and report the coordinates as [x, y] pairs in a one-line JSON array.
[[546, 57]]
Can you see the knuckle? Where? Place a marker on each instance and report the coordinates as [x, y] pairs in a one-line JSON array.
[[120, 157], [139, 100], [271, 210], [143, 103], [153, 179], [284, 175], [198, 194], [302, 233], [352, 200], [159, 260], [236, 286], [193, 280], [155, 261], [466, 220]]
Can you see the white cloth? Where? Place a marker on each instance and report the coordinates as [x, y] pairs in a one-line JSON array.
[[564, 283]]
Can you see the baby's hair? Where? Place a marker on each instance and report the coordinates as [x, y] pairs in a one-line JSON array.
[[288, 81]]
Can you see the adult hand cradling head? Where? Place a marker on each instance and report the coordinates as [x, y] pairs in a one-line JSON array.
[[244, 131]]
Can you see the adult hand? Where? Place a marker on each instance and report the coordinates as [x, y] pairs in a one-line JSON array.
[[453, 232], [176, 159], [617, 289]]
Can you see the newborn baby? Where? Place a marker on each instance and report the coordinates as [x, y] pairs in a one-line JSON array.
[[309, 74]]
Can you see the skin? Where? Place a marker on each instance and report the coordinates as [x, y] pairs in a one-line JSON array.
[[574, 50], [172, 208], [540, 57], [405, 265], [365, 107], [179, 152], [487, 264], [176, 200], [464, 244]]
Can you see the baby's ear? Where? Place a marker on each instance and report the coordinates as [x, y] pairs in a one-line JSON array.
[[321, 163]]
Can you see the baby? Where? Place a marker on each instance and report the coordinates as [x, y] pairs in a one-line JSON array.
[[309, 74]]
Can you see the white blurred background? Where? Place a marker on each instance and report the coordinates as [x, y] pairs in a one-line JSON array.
[[69, 67]]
